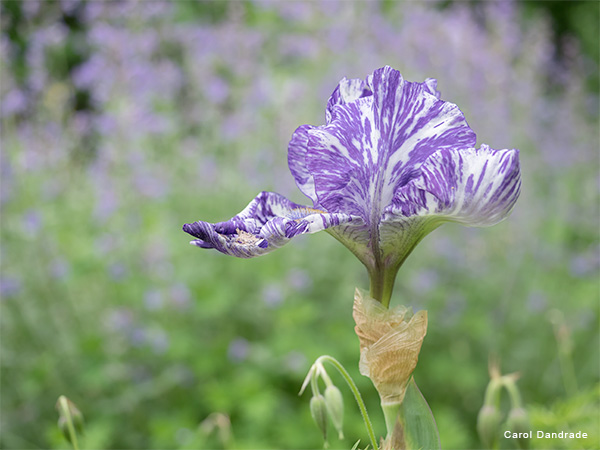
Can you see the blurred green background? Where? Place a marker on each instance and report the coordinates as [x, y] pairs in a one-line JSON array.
[[123, 120]]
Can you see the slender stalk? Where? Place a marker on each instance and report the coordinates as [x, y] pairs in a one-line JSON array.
[[357, 396], [67, 412], [513, 392], [314, 386], [382, 285], [492, 393]]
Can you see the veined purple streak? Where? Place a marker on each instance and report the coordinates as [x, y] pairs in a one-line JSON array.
[[392, 163]]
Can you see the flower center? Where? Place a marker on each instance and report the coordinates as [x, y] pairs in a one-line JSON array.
[[243, 237]]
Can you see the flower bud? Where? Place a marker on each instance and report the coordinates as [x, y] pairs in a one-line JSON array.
[[335, 408], [318, 411], [488, 425], [390, 342], [70, 419], [518, 422]]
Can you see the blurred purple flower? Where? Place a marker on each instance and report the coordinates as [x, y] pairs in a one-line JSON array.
[[180, 295], [425, 281], [30, 8], [70, 6], [60, 268], [32, 222], [91, 72], [238, 350], [217, 90], [106, 202], [150, 185], [105, 123], [9, 287], [119, 320], [585, 264], [272, 295], [14, 102], [299, 280], [82, 123], [232, 127], [118, 271], [299, 47], [294, 11], [138, 336]]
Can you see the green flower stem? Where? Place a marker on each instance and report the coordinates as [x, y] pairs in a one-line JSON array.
[[492, 393], [64, 406], [314, 386], [390, 413], [382, 285], [513, 392], [326, 378], [357, 396]]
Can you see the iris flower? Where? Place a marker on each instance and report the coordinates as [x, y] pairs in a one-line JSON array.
[[392, 163]]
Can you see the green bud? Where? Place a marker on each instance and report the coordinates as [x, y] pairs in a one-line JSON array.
[[518, 422], [335, 407], [70, 419], [318, 411], [488, 425]]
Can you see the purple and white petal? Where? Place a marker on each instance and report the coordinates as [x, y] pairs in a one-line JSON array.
[[267, 223], [297, 162], [376, 143], [430, 85], [474, 187], [346, 91]]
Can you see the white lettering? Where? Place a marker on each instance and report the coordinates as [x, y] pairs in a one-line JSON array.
[[523, 435], [560, 435]]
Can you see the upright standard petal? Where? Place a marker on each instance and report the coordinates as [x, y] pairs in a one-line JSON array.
[[376, 143], [346, 91], [267, 223]]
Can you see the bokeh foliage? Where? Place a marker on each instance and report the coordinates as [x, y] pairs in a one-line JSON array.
[[123, 120]]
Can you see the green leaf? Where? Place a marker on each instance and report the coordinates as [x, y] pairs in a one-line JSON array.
[[420, 430]]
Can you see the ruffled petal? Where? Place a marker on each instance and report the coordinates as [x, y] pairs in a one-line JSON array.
[[345, 92], [474, 187], [376, 143], [267, 223]]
